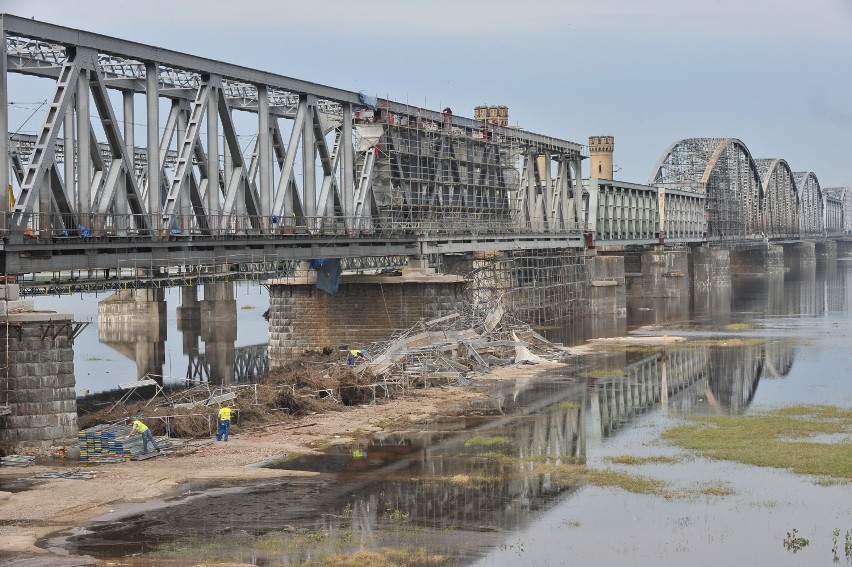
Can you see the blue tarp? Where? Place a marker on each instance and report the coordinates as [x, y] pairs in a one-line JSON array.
[[328, 273], [371, 101]]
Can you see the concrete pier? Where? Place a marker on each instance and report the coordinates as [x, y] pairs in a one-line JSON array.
[[37, 378], [826, 249], [662, 273], [799, 256], [607, 287], [218, 318], [133, 322], [759, 260]]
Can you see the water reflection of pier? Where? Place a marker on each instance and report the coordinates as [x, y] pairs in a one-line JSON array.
[[133, 322], [250, 362]]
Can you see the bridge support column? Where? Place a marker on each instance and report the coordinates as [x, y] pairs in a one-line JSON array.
[[134, 323], [761, 260], [607, 286], [664, 274], [219, 328], [711, 280], [799, 256], [844, 247], [188, 316], [826, 249], [38, 408], [366, 308]]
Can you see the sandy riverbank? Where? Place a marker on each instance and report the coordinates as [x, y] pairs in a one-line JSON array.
[[58, 504]]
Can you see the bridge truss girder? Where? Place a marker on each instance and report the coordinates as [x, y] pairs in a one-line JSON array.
[[838, 210], [619, 212], [308, 169]]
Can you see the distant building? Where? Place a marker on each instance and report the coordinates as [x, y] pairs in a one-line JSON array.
[[495, 115], [600, 152]]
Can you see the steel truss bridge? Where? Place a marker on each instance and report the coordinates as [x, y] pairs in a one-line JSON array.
[[137, 169], [330, 173]]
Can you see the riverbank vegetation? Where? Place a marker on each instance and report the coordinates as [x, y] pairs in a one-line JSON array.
[[813, 440]]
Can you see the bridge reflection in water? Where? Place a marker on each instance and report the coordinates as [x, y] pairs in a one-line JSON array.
[[488, 474]]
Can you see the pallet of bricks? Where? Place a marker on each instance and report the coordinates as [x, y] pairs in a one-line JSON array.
[[106, 444]]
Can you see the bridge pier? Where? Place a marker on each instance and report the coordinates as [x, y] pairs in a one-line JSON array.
[[133, 322], [188, 315], [798, 256], [826, 249], [607, 292], [711, 280], [365, 308], [218, 315], [662, 274], [760, 260], [844, 246], [38, 409]]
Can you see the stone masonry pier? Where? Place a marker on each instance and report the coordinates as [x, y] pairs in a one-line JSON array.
[[366, 308], [37, 378]]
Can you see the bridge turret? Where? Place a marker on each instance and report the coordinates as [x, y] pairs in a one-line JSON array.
[[600, 151]]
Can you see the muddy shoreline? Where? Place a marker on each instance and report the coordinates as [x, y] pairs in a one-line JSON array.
[[56, 505]]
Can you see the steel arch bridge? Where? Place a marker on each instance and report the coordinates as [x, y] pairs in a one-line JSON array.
[[721, 169], [810, 203], [747, 197], [780, 205]]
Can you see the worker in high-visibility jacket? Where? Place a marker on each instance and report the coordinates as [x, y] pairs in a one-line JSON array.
[[142, 429], [224, 423], [356, 355]]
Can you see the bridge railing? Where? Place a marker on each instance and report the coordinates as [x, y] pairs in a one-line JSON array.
[[408, 223]]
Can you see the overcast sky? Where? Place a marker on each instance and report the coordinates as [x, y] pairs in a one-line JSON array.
[[776, 74]]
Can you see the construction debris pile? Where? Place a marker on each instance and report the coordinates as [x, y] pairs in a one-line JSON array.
[[449, 348], [444, 351]]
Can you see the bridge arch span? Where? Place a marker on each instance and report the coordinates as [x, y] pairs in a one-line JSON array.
[[780, 199], [811, 207], [724, 171]]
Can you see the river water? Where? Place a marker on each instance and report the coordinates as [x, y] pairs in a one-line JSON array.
[[482, 490]]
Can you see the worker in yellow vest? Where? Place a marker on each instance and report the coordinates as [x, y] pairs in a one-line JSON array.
[[142, 429], [224, 423]]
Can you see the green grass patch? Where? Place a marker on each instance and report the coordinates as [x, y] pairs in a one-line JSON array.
[[630, 483], [384, 557], [717, 489], [484, 441], [737, 327], [634, 460], [567, 406], [777, 439]]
